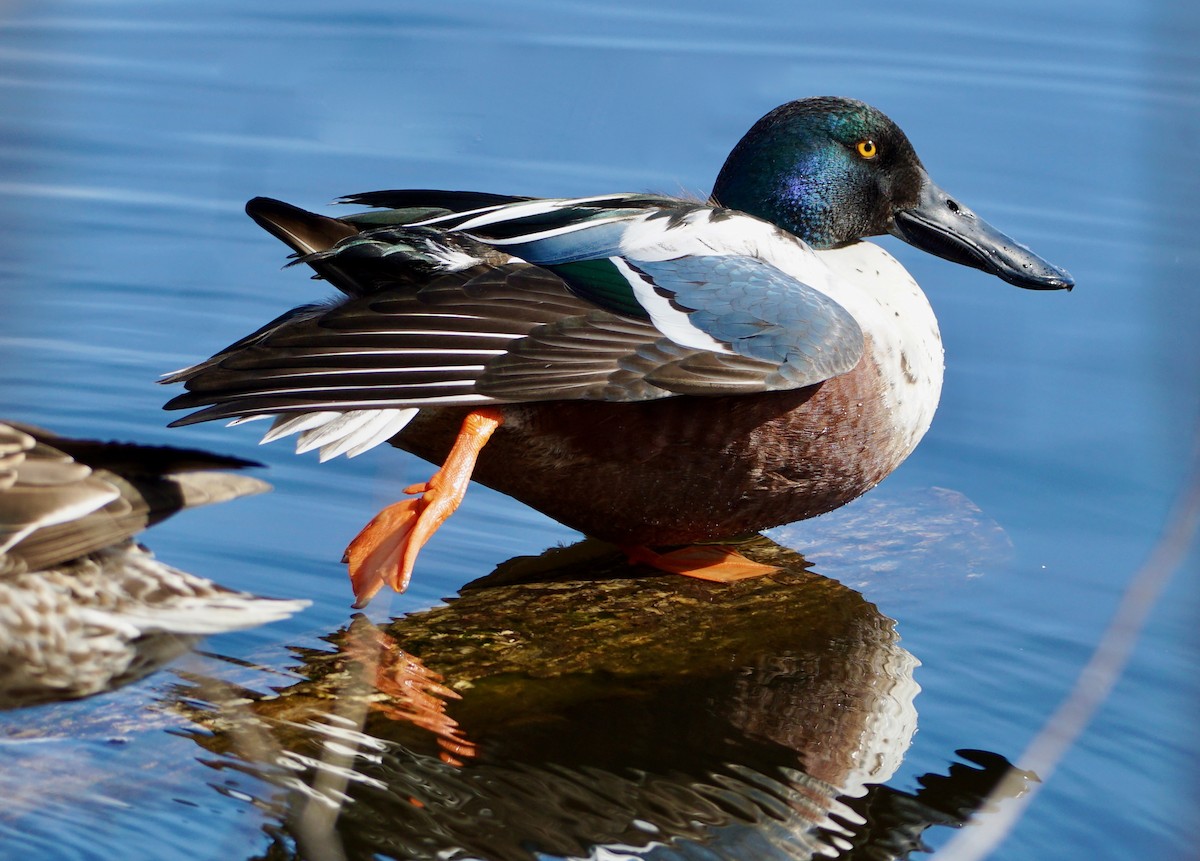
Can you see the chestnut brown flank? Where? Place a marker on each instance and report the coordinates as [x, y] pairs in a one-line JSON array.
[[651, 473]]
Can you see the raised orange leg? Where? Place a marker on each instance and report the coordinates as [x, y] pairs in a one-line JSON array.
[[714, 562], [386, 549]]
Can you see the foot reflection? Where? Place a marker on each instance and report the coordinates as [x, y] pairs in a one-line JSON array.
[[415, 694]]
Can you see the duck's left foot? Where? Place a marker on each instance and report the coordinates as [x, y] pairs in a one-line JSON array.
[[386, 549], [715, 562]]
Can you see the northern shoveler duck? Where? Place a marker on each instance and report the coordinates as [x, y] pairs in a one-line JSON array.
[[83, 608], [648, 370]]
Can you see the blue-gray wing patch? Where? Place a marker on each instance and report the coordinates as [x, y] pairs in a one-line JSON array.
[[761, 313]]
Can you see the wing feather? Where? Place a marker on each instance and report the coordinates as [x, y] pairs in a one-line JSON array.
[[496, 299]]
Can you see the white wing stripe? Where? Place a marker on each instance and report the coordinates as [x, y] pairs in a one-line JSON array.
[[672, 323], [508, 336], [299, 373], [517, 211], [338, 352], [236, 396], [548, 234]]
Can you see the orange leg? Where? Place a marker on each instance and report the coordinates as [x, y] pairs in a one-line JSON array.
[[713, 562], [386, 549]]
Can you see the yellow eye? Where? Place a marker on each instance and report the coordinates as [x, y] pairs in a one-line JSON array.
[[866, 148]]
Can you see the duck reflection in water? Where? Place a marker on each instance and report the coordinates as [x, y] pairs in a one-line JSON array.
[[567, 706]]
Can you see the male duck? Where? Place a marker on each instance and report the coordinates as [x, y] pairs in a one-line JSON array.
[[83, 607], [649, 370]]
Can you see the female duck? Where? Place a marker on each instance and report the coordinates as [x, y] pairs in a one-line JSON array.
[[648, 370], [83, 607]]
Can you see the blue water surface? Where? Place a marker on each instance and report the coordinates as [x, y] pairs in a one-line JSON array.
[[132, 132]]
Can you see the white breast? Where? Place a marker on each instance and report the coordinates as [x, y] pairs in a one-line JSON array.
[[890, 307]]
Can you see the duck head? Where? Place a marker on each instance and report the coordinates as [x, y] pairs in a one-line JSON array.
[[833, 170]]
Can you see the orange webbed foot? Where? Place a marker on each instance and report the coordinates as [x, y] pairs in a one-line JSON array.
[[385, 551], [713, 562]]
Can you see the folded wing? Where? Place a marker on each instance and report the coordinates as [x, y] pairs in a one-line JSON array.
[[460, 298]]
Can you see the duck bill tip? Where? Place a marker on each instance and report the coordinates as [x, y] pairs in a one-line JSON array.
[[940, 225]]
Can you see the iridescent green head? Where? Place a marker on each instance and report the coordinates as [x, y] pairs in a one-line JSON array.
[[833, 170], [829, 170]]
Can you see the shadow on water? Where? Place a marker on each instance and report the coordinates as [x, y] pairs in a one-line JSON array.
[[568, 705]]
